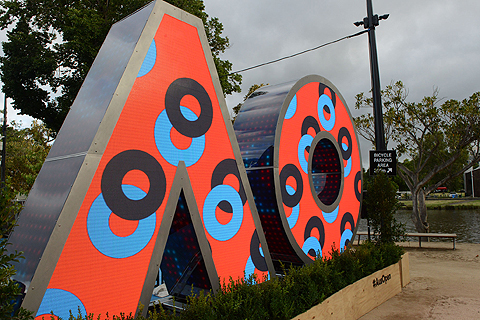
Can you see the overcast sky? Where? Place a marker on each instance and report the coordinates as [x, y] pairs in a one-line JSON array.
[[426, 44]]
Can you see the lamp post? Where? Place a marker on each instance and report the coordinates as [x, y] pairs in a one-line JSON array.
[[370, 22]]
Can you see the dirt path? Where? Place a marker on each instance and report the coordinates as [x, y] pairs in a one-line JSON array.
[[445, 284]]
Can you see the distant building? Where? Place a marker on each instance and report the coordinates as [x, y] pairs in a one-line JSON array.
[[472, 182]]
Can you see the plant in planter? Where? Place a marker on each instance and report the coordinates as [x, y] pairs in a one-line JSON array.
[[380, 205]]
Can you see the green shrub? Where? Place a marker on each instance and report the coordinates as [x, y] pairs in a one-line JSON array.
[[380, 205], [283, 298], [9, 290], [299, 290]]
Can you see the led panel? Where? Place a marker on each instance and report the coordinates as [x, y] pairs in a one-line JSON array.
[[301, 152]]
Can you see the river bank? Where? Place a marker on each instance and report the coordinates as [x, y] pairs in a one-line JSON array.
[[444, 284], [445, 204], [463, 222]]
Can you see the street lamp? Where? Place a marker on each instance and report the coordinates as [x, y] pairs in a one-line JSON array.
[[370, 22]]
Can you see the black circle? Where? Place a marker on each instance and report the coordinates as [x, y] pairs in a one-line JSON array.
[[257, 258], [310, 122], [291, 171], [347, 217], [358, 193], [315, 223], [175, 92], [343, 132], [111, 184], [321, 90], [223, 169]]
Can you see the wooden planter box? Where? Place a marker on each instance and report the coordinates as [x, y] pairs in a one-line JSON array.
[[364, 295]]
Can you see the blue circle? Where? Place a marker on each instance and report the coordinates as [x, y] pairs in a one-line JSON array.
[[293, 217], [222, 232], [149, 60], [305, 141], [60, 302], [312, 243], [348, 168], [108, 243], [330, 217], [323, 101], [249, 268], [167, 149], [292, 108], [346, 235]]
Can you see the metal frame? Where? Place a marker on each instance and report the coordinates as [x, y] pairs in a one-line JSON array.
[[320, 136]]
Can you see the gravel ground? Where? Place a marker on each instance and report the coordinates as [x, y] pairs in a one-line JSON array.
[[444, 284]]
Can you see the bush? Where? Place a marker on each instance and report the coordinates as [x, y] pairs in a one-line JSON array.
[[9, 289], [284, 298], [380, 205]]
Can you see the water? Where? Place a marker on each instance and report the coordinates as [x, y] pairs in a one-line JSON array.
[[465, 223]]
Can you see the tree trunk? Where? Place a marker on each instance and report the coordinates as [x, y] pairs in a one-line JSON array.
[[419, 211]]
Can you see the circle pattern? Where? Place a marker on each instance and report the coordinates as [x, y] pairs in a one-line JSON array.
[[222, 232], [292, 108], [293, 217], [168, 150], [60, 303], [304, 143], [223, 169], [108, 243], [325, 103], [291, 200], [175, 92], [256, 253], [111, 184]]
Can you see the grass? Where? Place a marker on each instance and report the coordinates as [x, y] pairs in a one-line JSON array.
[[447, 204]]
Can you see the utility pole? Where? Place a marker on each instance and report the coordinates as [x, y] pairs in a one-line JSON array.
[[370, 22], [4, 143]]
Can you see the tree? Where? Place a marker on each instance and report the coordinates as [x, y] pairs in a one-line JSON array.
[[27, 149], [9, 289], [440, 141], [380, 204], [52, 44]]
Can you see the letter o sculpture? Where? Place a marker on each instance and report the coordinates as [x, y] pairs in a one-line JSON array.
[[302, 157]]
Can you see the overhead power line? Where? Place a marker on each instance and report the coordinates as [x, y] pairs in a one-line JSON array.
[[301, 52]]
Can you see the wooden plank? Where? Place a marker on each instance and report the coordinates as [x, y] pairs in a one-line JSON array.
[[411, 234], [452, 236], [362, 296], [405, 269], [432, 235]]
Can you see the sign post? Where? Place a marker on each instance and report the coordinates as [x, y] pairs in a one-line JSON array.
[[385, 161]]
